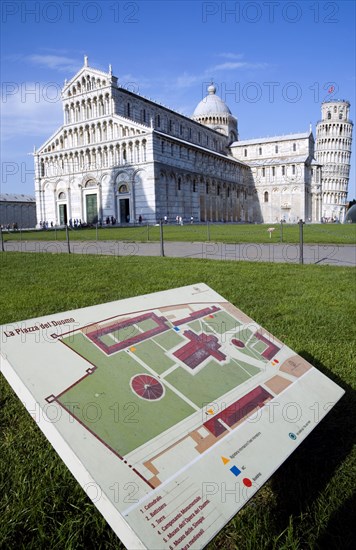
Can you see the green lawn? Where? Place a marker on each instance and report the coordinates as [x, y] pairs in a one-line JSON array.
[[110, 383], [254, 348], [221, 323], [228, 233], [308, 503], [124, 333], [168, 340], [153, 356], [213, 381]]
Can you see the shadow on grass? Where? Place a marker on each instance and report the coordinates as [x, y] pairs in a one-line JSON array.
[[311, 484], [341, 529]]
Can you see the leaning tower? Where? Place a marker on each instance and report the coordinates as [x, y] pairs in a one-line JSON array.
[[333, 151]]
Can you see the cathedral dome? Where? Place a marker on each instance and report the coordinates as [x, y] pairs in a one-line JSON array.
[[351, 215], [212, 104]]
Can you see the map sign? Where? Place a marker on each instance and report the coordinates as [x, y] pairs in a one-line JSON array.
[[170, 409]]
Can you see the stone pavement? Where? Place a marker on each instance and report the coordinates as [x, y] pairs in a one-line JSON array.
[[339, 255]]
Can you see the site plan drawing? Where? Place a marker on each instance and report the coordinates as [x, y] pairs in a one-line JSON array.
[[171, 409]]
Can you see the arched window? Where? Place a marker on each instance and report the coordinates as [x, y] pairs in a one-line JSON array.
[[294, 146], [266, 196], [329, 115], [179, 185], [90, 183], [245, 152], [123, 188], [260, 151], [276, 149], [61, 196]]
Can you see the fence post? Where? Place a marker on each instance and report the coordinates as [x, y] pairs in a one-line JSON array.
[[67, 235], [2, 240], [301, 252], [281, 231], [161, 236], [148, 231], [208, 230], [97, 231]]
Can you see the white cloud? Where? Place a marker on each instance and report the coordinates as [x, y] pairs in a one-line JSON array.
[[186, 80], [55, 62], [52, 61], [134, 84], [230, 66], [30, 109], [230, 55]]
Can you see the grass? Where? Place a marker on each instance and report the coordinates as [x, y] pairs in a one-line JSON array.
[[228, 233], [112, 381], [308, 503]]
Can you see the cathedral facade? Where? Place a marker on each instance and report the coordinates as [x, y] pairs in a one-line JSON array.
[[121, 156]]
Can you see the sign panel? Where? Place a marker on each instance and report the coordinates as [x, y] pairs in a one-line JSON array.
[[170, 409]]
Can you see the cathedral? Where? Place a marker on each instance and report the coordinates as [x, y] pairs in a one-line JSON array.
[[123, 157]]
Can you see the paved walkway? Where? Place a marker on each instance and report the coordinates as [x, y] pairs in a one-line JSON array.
[[340, 255]]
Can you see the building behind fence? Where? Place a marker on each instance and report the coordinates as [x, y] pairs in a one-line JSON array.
[[17, 210]]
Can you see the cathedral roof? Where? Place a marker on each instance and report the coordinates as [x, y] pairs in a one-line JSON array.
[[286, 137], [212, 104], [8, 197], [201, 148], [280, 160]]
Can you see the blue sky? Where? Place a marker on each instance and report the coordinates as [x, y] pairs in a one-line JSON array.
[[273, 62]]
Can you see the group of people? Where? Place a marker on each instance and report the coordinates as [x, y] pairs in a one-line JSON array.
[[110, 220], [45, 224], [179, 220], [14, 226], [74, 224]]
